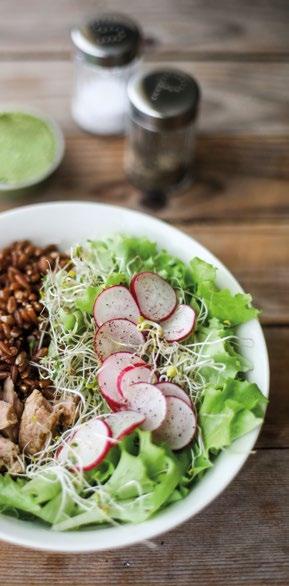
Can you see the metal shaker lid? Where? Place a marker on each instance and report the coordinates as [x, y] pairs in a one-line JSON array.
[[163, 99], [110, 40]]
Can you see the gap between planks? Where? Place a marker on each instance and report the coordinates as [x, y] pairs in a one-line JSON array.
[[158, 56]]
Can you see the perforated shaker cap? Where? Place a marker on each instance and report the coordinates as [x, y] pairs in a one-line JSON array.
[[163, 99], [109, 40]]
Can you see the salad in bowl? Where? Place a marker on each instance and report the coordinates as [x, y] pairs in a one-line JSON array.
[[131, 363], [136, 381]]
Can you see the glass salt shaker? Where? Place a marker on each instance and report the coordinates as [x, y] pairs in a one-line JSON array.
[[107, 54], [163, 106]]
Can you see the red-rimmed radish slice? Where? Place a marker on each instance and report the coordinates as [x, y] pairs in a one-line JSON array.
[[117, 335], [154, 296], [172, 390], [138, 373], [179, 425], [115, 302], [87, 446], [123, 423], [108, 375], [180, 324], [148, 400]]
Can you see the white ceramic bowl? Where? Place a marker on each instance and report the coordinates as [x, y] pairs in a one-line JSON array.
[[65, 224], [59, 148]]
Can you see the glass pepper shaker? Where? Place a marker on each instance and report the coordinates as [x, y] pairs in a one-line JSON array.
[[163, 106], [107, 54]]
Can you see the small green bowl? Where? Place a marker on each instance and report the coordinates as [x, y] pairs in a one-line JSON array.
[[59, 148]]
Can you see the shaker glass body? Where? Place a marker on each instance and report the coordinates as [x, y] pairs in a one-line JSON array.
[[99, 102], [159, 159]]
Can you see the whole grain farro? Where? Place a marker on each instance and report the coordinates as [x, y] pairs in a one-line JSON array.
[[22, 267]]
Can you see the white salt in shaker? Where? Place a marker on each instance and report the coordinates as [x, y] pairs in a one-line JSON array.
[[107, 55]]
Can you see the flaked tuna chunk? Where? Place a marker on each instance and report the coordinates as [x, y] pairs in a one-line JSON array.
[[38, 423], [8, 416], [68, 409], [10, 396], [9, 456]]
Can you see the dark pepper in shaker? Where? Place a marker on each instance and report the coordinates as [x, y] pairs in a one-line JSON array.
[[163, 107]]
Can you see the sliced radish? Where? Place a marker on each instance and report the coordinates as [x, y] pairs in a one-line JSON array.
[[117, 335], [115, 302], [148, 400], [179, 426], [108, 375], [172, 390], [88, 446], [138, 373], [180, 324], [154, 296], [123, 423]]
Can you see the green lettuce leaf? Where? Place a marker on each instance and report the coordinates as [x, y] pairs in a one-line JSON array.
[[12, 496], [86, 302], [202, 271], [229, 413], [41, 497], [42, 488], [223, 360], [228, 308], [231, 309], [144, 478]]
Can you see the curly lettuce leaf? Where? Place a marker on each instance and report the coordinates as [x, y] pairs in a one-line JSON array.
[[231, 309], [225, 361], [202, 271], [42, 488], [230, 412], [41, 497], [228, 308], [144, 478], [13, 496]]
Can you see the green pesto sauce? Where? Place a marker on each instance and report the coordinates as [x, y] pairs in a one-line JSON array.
[[27, 147]]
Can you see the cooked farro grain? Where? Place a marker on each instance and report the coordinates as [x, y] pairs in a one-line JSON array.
[[22, 267]]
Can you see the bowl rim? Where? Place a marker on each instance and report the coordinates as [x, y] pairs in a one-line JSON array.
[[59, 144], [166, 520]]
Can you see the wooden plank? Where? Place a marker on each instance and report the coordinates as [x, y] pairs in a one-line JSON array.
[[245, 183], [237, 178], [226, 27], [238, 175], [275, 433], [238, 98], [240, 539]]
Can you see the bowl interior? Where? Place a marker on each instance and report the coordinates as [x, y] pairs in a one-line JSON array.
[[66, 224]]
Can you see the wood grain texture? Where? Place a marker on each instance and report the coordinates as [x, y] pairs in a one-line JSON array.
[[237, 186], [226, 27], [237, 98], [241, 538], [239, 174], [275, 433]]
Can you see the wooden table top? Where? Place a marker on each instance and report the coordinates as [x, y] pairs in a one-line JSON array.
[[238, 207]]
